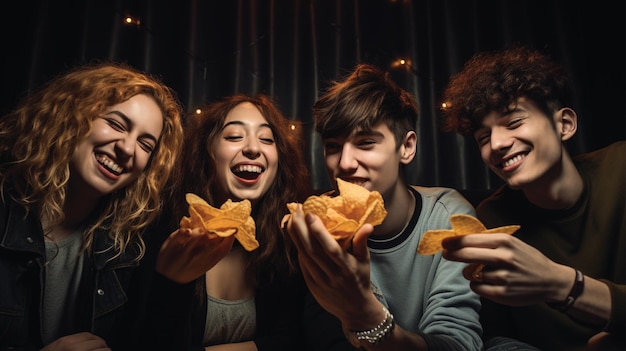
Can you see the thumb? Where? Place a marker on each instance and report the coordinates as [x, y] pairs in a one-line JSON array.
[[359, 242]]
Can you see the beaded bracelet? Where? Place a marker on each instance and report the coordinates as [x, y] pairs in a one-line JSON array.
[[380, 332], [577, 289]]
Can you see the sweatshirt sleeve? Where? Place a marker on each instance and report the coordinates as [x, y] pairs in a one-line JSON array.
[[617, 323]]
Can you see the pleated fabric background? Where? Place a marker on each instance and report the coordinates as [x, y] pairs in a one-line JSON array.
[[292, 50]]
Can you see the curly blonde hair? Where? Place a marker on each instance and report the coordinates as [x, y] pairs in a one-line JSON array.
[[38, 138]]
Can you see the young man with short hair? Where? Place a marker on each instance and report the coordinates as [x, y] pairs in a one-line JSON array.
[[384, 295]]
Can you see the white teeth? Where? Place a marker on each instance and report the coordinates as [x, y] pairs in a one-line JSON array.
[[248, 168], [110, 164], [512, 160]]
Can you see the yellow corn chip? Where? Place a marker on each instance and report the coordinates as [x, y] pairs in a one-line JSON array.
[[462, 224], [344, 214], [232, 218]]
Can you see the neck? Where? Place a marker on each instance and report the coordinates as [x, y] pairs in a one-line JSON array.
[[76, 209], [558, 191], [400, 205], [59, 231]]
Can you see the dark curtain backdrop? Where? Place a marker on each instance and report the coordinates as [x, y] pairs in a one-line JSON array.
[[292, 49]]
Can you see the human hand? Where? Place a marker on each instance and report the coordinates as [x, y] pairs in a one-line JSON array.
[[604, 341], [338, 279], [78, 342], [514, 272], [189, 253]]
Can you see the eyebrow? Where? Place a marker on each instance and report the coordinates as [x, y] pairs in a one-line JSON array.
[[362, 133], [240, 123], [130, 122]]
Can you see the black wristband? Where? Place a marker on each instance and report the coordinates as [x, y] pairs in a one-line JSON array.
[[577, 289]]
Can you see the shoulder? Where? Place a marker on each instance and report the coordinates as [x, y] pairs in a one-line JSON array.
[[441, 195], [613, 152], [441, 202], [609, 161]]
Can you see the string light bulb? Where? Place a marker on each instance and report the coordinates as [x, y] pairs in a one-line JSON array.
[[401, 62], [130, 20]]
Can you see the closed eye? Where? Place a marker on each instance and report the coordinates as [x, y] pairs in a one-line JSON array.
[[115, 124], [233, 137], [331, 147], [514, 123], [366, 143], [482, 137], [147, 144]]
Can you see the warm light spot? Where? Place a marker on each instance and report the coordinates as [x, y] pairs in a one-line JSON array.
[[292, 126], [445, 105], [198, 111], [401, 62], [130, 20]]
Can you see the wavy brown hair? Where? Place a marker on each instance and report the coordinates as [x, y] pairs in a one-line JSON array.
[[38, 138], [196, 174]]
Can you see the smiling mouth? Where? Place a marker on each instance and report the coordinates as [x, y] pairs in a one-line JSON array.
[[248, 172], [109, 164], [512, 161]]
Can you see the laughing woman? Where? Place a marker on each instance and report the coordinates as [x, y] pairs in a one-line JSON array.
[[82, 163], [241, 148]]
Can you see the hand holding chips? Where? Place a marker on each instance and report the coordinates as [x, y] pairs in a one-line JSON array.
[[232, 218], [344, 214], [462, 224]]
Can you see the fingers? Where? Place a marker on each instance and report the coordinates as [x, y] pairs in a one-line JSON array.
[[492, 249], [474, 272], [359, 243], [297, 229], [313, 273], [477, 274], [320, 237], [187, 254], [79, 341], [483, 240], [309, 233]]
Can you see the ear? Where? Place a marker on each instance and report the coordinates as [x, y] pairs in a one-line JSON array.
[[567, 123], [408, 147]]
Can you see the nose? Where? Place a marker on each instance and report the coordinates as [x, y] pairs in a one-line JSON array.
[[126, 146], [347, 162], [251, 149], [499, 139]]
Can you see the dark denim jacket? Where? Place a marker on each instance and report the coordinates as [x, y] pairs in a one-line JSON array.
[[102, 306]]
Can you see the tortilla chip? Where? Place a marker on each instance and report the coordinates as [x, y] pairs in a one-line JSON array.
[[462, 224], [232, 218], [344, 214]]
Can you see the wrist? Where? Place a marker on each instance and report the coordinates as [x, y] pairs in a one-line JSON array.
[[576, 290], [372, 336]]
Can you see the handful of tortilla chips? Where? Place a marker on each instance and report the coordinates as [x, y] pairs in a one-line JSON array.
[[345, 213], [462, 224], [232, 218]]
